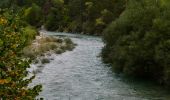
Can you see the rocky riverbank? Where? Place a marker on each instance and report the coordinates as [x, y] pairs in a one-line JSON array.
[[45, 45]]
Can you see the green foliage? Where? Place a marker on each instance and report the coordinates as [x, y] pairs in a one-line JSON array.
[[13, 69], [88, 16], [137, 43], [5, 3], [136, 32], [33, 15], [29, 34], [57, 18], [58, 3], [45, 60]]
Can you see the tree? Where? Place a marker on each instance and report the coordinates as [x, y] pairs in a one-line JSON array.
[[36, 12], [14, 78], [137, 42], [57, 18]]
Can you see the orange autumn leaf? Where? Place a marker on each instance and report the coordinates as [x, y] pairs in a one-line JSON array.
[[3, 81]]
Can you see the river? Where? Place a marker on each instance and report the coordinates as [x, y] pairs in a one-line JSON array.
[[81, 75]]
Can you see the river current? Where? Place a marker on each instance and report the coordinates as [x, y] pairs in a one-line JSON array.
[[81, 75]]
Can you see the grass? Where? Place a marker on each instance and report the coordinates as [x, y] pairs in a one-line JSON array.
[[43, 45]]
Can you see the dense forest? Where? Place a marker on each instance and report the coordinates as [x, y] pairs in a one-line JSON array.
[[136, 34], [86, 16]]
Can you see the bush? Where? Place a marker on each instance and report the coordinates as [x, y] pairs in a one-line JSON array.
[[68, 41], [13, 69], [59, 51], [137, 42], [29, 34], [45, 60]]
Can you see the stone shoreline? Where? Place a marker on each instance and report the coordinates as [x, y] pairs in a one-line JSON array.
[[46, 45]]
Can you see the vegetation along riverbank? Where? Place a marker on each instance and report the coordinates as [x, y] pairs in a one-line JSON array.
[[46, 45], [136, 34]]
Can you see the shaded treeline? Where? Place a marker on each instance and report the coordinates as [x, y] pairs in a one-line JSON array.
[[138, 42], [87, 16]]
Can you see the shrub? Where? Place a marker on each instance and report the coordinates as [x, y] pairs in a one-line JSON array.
[[59, 51], [29, 33], [13, 69], [45, 60], [137, 42], [68, 41]]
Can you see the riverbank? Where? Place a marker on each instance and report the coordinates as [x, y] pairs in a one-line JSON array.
[[81, 75], [46, 45]]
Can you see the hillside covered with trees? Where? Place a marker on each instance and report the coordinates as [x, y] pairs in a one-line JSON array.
[[86, 16]]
